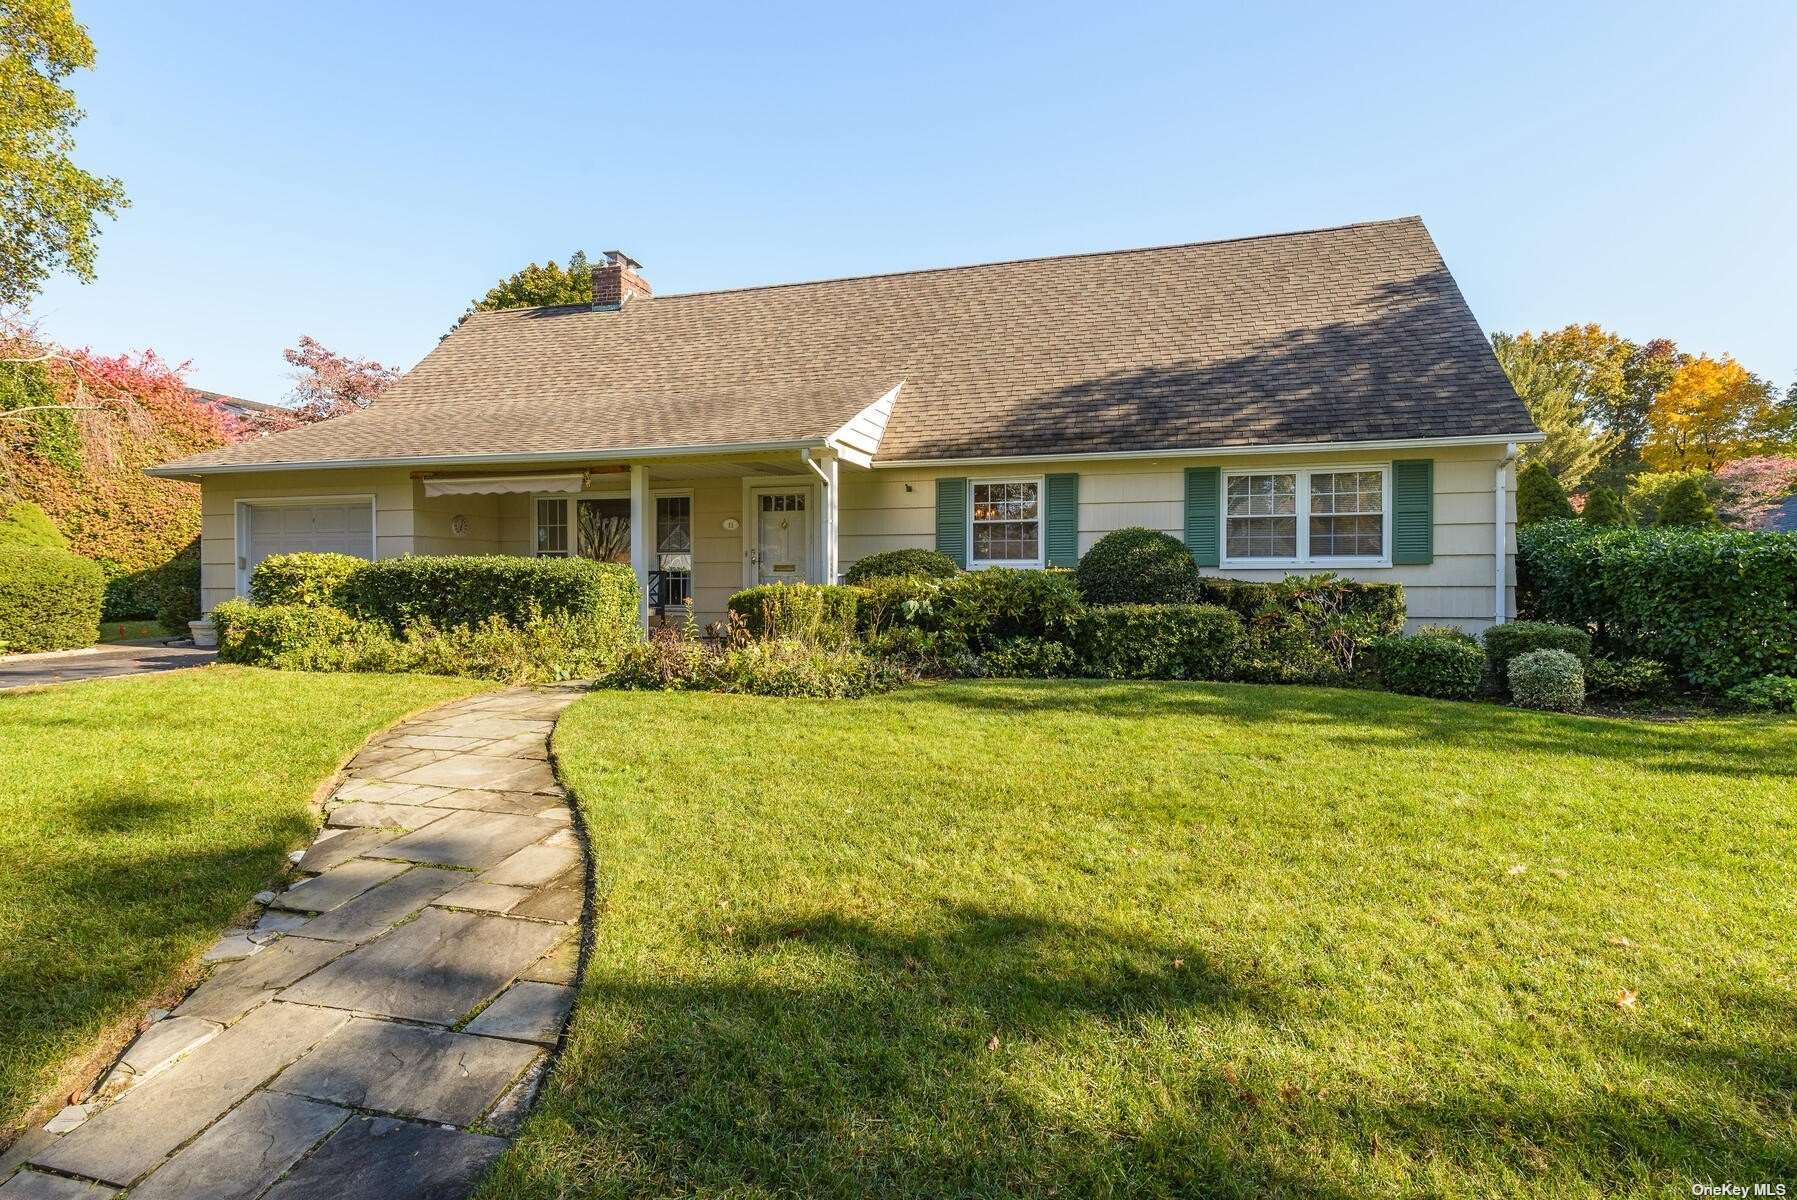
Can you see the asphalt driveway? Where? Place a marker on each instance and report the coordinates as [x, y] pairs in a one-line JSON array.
[[26, 670]]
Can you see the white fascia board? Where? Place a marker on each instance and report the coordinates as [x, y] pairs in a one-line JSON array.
[[611, 454], [867, 426], [1489, 439]]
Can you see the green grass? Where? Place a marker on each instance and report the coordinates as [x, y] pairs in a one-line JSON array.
[[137, 818], [1088, 939]]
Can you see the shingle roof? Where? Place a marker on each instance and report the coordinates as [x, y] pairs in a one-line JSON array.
[[1337, 335]]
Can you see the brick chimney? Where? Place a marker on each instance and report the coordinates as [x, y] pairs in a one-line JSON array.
[[616, 280]]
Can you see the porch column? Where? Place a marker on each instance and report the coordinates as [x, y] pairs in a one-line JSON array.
[[831, 558], [641, 535]]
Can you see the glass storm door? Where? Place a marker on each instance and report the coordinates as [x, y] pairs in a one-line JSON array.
[[782, 535]]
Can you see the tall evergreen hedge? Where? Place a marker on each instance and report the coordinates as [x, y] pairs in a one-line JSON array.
[[49, 600]]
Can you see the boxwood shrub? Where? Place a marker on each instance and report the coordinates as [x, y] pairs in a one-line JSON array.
[[1444, 664], [304, 577], [902, 564], [1137, 566], [178, 591], [1550, 679], [894, 603], [817, 614], [1157, 641], [49, 600], [451, 591], [980, 609], [259, 635], [23, 523], [1507, 641], [1717, 607], [1381, 603]]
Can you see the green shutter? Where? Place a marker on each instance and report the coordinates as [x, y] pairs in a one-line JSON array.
[[1413, 512], [951, 519], [1062, 520], [1202, 485]]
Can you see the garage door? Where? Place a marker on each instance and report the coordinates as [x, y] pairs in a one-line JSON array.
[[340, 528]]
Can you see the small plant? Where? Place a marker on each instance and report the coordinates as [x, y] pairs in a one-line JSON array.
[[895, 603], [1137, 566], [1768, 693], [1547, 679], [902, 564], [1437, 661], [1507, 641], [49, 599], [1626, 679]]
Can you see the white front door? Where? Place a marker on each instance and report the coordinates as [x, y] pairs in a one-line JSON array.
[[782, 534]]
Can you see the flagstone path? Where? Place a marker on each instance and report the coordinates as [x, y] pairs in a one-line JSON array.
[[382, 1029]]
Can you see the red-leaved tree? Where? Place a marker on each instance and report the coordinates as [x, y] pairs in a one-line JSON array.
[[1754, 488], [328, 384]]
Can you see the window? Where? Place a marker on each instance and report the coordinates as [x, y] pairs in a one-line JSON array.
[[1007, 523], [1294, 517], [604, 530], [674, 547], [552, 528]]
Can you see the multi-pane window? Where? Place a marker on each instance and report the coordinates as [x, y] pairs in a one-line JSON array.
[[674, 547], [552, 528], [1262, 516], [1347, 514], [1304, 516], [1007, 522]]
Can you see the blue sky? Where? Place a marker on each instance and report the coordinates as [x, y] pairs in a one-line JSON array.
[[360, 172]]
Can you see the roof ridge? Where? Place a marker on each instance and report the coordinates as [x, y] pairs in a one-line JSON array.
[[1000, 262]]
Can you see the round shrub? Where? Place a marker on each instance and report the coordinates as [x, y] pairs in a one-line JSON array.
[[1549, 679], [178, 591], [902, 564], [979, 609], [1687, 506], [49, 600], [1507, 641], [1444, 664], [1137, 566], [1603, 509], [303, 577]]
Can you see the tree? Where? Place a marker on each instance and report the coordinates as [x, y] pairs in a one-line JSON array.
[[49, 207], [329, 384], [1687, 506], [534, 286], [1539, 496], [1575, 445], [1710, 411], [1603, 508], [1753, 489], [1614, 381]]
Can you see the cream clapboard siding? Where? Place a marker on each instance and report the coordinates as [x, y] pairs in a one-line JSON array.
[[892, 509]]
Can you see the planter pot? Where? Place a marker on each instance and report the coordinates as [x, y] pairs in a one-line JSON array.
[[205, 633]]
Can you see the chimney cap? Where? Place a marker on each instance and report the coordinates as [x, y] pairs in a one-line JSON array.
[[618, 256]]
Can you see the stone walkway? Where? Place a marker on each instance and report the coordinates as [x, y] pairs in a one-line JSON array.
[[384, 1026]]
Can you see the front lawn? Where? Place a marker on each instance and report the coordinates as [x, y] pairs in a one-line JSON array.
[[137, 817], [1162, 939]]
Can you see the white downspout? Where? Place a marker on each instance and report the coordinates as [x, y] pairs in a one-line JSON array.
[[1501, 533], [826, 472]]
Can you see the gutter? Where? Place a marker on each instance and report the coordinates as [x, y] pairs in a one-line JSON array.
[[176, 471], [1489, 439]]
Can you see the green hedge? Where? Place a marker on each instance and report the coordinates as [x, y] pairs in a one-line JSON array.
[[1137, 566], [1381, 603], [451, 591], [1718, 607], [979, 610], [178, 591], [1157, 641], [49, 600], [817, 614], [902, 564], [259, 635], [23, 523], [1515, 638], [304, 577], [1435, 663]]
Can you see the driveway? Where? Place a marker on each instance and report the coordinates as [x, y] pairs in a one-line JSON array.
[[25, 670]]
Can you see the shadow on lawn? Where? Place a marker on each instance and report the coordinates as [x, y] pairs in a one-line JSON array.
[[826, 1056], [1364, 720]]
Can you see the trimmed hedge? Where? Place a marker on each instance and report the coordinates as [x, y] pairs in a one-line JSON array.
[[451, 591], [892, 603], [979, 610], [1435, 663], [49, 600], [304, 577], [23, 523], [1137, 566], [1157, 641], [1382, 602], [814, 613], [902, 564], [1549, 679], [178, 591], [258, 635], [1507, 641], [1717, 607]]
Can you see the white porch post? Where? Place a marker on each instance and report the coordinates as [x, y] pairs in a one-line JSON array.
[[831, 558], [641, 535]]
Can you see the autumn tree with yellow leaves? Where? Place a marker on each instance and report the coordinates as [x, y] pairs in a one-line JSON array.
[[1711, 411]]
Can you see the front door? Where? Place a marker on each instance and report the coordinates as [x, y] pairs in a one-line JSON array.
[[782, 533]]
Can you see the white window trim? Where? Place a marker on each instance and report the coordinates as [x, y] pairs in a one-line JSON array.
[[1305, 558], [980, 564], [241, 522], [568, 517]]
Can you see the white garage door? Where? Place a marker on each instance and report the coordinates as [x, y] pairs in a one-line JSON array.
[[345, 527]]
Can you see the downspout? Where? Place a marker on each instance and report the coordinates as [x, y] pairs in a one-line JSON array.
[[1501, 530]]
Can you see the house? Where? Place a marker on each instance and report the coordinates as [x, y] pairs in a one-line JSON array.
[[1293, 403], [251, 417]]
